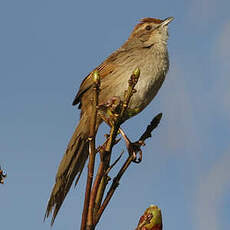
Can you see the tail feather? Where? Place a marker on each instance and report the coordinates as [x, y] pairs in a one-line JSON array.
[[71, 166]]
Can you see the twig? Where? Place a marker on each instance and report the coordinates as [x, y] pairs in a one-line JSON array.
[[154, 123], [101, 179], [114, 163], [95, 189], [113, 188], [87, 215], [106, 152]]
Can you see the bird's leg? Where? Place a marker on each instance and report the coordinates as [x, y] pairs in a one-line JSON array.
[[133, 148]]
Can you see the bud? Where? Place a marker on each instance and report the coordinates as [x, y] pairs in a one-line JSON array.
[[96, 77], [136, 72], [151, 220]]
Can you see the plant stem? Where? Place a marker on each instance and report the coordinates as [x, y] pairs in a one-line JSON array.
[[113, 188], [147, 134], [87, 215], [106, 152]]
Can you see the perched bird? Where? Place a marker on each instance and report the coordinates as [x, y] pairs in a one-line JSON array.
[[146, 49]]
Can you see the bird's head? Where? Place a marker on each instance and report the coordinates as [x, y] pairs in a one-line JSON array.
[[150, 31]]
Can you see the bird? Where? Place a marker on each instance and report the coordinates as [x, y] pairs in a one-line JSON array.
[[146, 49]]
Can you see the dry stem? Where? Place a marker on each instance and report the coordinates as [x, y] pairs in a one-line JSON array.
[[87, 215]]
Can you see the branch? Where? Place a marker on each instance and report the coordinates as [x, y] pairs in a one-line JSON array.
[[102, 177], [87, 215], [154, 123]]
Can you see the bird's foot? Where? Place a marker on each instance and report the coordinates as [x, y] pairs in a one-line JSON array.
[[134, 148]]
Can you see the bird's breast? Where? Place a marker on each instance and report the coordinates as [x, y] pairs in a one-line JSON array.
[[153, 68], [153, 72]]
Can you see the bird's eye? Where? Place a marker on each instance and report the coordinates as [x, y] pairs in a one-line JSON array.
[[148, 27]]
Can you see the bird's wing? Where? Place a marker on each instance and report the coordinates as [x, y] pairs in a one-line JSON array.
[[104, 69]]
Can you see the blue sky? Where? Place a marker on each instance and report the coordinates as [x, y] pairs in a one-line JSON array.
[[48, 47]]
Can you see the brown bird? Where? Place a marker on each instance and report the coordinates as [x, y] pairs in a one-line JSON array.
[[146, 49]]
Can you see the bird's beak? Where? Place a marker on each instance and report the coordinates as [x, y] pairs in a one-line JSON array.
[[167, 21]]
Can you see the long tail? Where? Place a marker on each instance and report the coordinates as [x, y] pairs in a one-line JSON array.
[[71, 166]]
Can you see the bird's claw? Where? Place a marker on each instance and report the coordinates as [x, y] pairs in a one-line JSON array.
[[134, 149]]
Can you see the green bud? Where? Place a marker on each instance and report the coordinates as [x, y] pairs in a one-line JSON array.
[[136, 72], [96, 77], [151, 219]]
